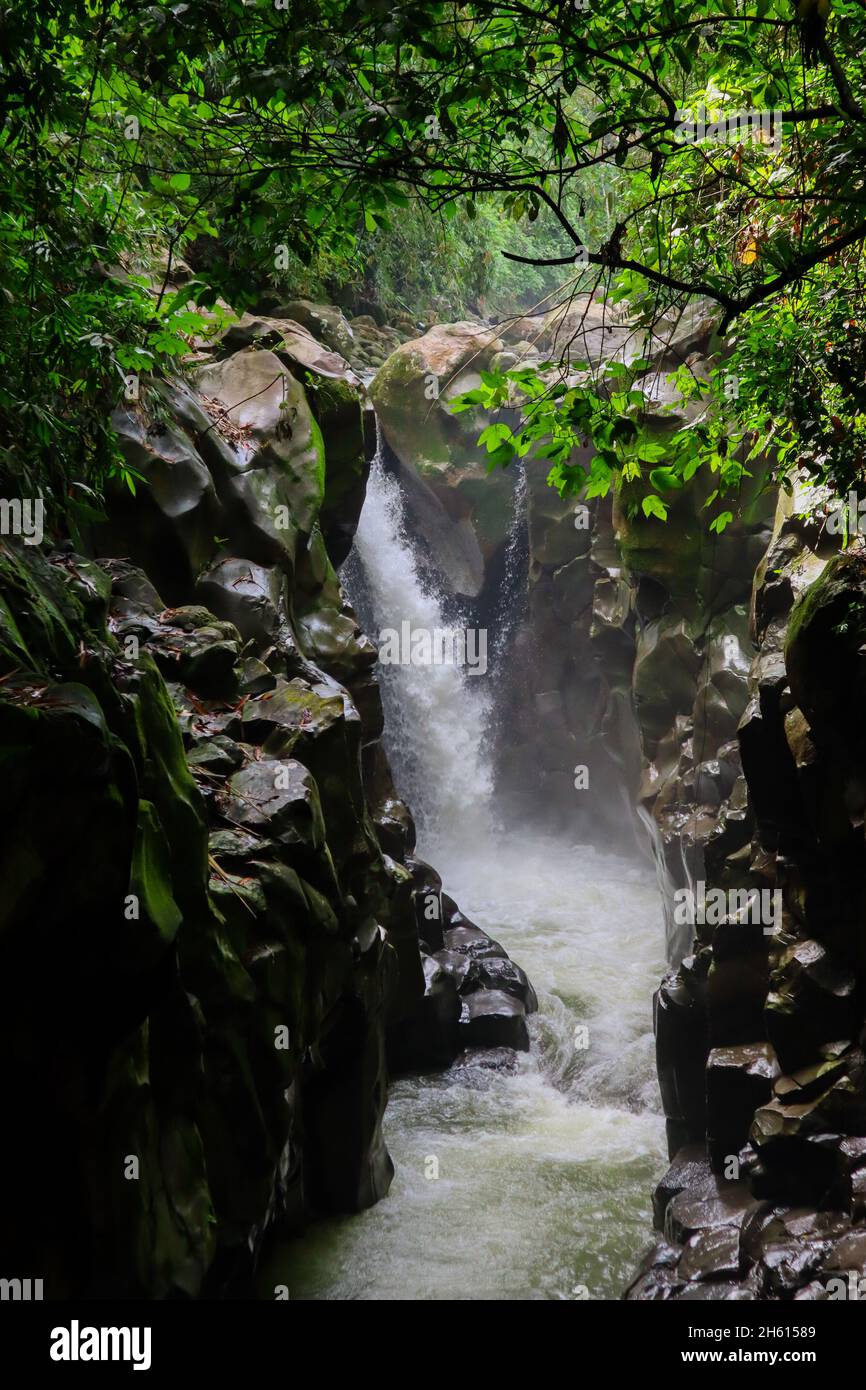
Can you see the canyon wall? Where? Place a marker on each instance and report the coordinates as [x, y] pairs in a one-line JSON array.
[[760, 1030], [238, 944], [217, 943]]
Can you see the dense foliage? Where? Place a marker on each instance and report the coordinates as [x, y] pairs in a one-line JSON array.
[[257, 137]]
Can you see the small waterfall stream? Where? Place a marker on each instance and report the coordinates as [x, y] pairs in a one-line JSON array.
[[435, 716], [544, 1174]]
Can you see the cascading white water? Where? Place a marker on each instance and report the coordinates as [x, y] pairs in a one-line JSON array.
[[508, 610], [436, 715], [542, 1177]]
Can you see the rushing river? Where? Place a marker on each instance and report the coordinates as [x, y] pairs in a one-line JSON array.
[[544, 1174]]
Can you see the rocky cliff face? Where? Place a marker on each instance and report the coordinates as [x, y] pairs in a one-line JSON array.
[[761, 1028], [237, 941], [216, 940]]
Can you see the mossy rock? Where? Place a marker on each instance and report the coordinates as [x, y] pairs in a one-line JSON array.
[[337, 408]]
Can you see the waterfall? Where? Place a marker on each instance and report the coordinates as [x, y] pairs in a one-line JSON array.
[[543, 1171], [678, 939], [436, 715], [510, 607]]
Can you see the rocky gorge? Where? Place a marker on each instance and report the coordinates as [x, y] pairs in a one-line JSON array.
[[244, 947]]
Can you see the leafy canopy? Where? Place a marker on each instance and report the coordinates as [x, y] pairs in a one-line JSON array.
[[136, 132]]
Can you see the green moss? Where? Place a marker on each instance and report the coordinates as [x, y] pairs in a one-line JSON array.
[[167, 782], [38, 615], [150, 881]]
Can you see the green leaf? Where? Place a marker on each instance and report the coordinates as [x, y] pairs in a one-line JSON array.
[[654, 506], [651, 453], [501, 456], [493, 436], [665, 479]]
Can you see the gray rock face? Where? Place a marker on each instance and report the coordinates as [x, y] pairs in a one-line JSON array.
[[763, 1074], [324, 322]]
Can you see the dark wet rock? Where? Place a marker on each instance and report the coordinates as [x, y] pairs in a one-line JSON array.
[[739, 1079], [721, 697], [131, 583], [216, 755], [810, 1082], [428, 902], [804, 1224], [491, 1018], [812, 1001], [255, 677], [711, 1254], [664, 683], [425, 877], [428, 1040], [235, 848], [849, 1190], [168, 528], [681, 1050], [277, 459], [656, 1279], [198, 651], [790, 1265], [744, 1291], [497, 1059], [202, 720], [690, 1171], [280, 796], [460, 966], [395, 828], [472, 941], [848, 1253], [338, 410], [472, 972], [728, 1205], [500, 973], [655, 1286], [248, 595]]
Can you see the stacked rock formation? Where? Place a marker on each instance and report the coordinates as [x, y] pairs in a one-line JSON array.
[[208, 850]]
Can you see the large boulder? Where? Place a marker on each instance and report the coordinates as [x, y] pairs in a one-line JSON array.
[[324, 322], [278, 444], [411, 393]]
